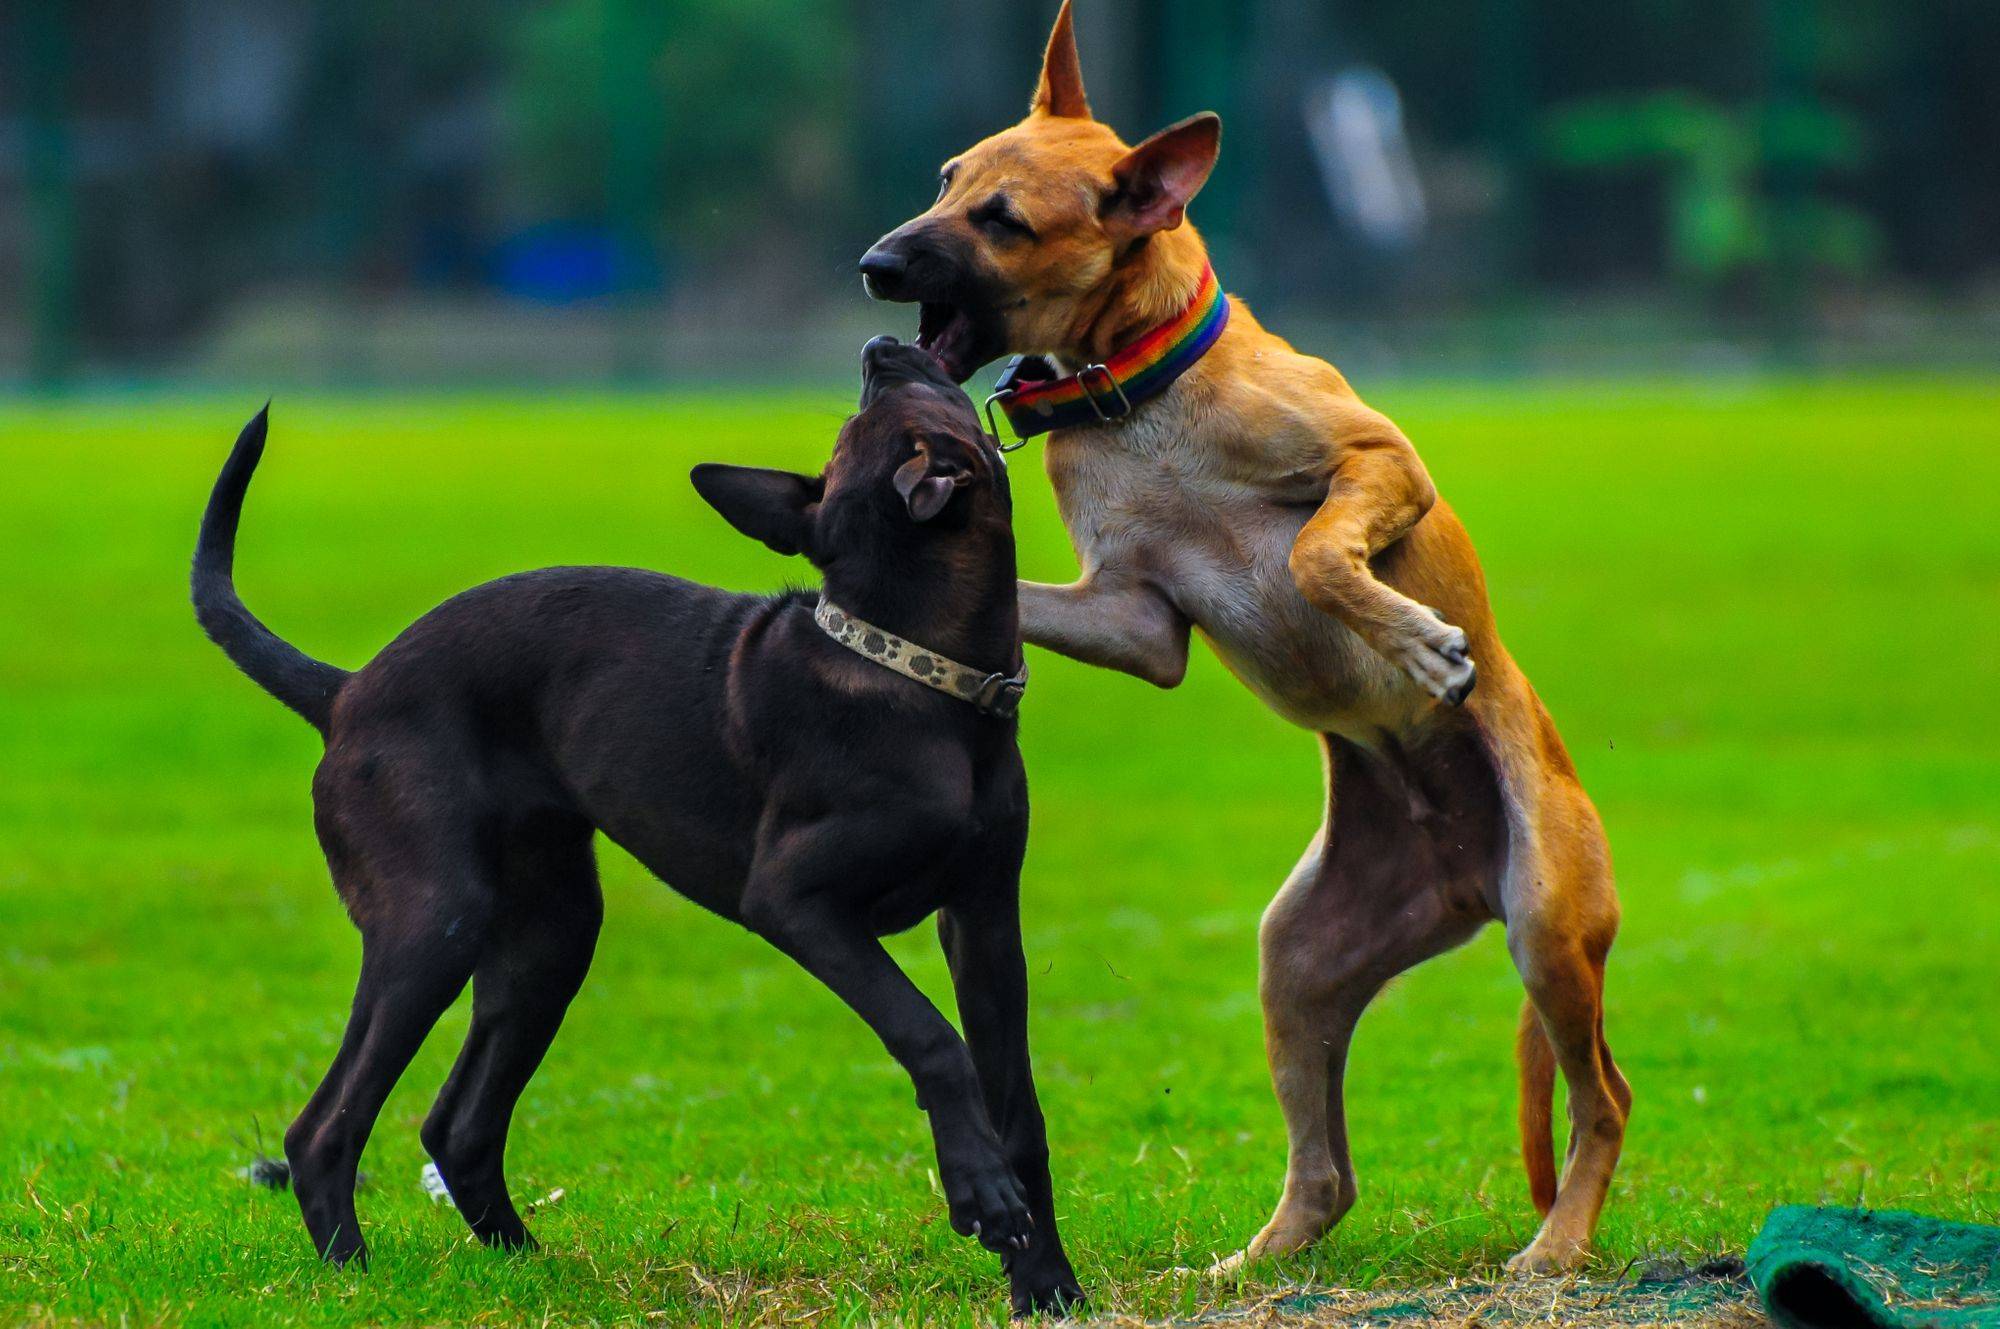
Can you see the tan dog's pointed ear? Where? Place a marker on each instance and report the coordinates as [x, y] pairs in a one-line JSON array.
[[1155, 181], [1061, 90]]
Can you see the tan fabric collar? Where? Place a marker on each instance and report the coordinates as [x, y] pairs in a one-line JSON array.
[[991, 694]]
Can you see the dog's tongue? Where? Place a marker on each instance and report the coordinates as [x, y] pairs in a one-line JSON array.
[[947, 334]]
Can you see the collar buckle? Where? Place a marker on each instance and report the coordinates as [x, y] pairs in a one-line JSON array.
[[999, 695], [1001, 395], [1003, 392], [1113, 392]]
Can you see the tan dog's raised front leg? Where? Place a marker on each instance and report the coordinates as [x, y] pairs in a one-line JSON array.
[[1379, 491], [1110, 619]]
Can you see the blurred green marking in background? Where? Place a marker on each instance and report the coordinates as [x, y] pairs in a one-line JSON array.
[[42, 67], [562, 192]]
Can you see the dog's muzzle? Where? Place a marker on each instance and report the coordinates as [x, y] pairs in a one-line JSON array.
[[882, 273], [886, 362]]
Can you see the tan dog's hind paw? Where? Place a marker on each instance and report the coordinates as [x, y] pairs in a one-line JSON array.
[[1437, 656]]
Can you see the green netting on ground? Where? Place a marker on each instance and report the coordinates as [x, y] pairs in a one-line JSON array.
[[1856, 1269]]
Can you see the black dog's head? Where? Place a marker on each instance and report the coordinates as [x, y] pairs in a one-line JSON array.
[[912, 469]]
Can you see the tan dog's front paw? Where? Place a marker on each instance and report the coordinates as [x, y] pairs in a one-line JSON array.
[[1437, 656], [1547, 1255], [1229, 1266], [1279, 1237]]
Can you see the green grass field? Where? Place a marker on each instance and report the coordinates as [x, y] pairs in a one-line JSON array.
[[1764, 617]]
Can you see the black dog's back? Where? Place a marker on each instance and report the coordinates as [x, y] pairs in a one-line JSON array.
[[595, 693]]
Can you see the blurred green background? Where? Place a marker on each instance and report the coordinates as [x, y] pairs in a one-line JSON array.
[[355, 192]]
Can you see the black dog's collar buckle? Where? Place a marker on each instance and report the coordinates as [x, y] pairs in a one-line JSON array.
[[1000, 695]]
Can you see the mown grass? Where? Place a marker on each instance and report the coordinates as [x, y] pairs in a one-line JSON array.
[[1764, 616]]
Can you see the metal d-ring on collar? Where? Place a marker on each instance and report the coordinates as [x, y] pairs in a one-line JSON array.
[[1112, 393], [1003, 388], [993, 428]]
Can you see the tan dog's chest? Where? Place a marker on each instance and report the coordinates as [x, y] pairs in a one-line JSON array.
[[1215, 526]]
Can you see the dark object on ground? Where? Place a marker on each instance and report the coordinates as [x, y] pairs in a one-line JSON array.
[[271, 1173], [764, 770], [1674, 1269], [1880, 1269]]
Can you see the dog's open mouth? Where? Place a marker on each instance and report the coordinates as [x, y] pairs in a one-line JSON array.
[[947, 332]]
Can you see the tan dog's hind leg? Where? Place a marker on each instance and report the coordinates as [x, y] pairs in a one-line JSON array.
[[1360, 908], [1561, 916], [1307, 1026]]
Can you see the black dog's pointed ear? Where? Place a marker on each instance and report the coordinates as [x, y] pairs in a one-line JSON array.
[[928, 480], [773, 506]]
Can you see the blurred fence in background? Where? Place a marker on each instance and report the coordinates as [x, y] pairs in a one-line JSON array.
[[355, 192]]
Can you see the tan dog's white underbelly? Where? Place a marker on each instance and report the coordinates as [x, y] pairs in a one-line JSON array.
[[1148, 495]]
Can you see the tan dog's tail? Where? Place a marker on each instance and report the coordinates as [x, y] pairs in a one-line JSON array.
[[1537, 1061]]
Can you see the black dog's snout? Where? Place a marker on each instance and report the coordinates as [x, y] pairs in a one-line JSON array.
[[882, 272], [880, 348], [885, 360]]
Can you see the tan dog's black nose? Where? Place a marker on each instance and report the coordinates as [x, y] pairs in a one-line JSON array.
[[882, 272]]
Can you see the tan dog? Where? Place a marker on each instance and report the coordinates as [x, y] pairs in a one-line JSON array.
[[1258, 500]]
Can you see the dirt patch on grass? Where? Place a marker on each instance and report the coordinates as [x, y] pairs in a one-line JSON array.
[[1712, 1296]]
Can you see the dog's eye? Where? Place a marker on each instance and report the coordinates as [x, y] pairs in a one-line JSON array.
[[997, 219], [944, 181]]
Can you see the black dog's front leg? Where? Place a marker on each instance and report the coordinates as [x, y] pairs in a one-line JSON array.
[[981, 1193], [990, 975]]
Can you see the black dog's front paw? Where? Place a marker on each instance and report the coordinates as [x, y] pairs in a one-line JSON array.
[[1061, 1298], [986, 1202], [345, 1252], [1040, 1281], [507, 1237]]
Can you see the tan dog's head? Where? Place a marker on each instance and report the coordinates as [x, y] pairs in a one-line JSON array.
[[1036, 229]]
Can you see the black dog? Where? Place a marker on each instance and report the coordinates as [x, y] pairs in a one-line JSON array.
[[749, 756]]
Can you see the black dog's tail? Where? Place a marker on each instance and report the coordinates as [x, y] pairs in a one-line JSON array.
[[281, 669]]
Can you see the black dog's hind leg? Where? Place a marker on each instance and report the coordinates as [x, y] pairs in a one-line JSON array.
[[537, 957], [420, 940], [982, 942], [793, 902]]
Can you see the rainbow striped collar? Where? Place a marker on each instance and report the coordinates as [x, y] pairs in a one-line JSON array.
[[1101, 393]]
